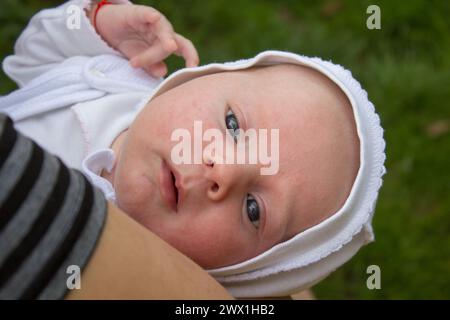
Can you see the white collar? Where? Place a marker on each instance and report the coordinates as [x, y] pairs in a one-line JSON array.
[[92, 167]]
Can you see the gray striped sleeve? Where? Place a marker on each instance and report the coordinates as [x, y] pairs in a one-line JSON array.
[[50, 219]]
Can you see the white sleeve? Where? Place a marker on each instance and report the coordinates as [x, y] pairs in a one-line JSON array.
[[53, 35]]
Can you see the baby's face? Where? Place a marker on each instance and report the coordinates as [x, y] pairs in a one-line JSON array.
[[228, 213]]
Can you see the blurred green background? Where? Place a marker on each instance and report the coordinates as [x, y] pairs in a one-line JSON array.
[[405, 67]]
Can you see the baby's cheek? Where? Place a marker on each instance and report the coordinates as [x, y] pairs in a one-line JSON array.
[[133, 193], [213, 245]]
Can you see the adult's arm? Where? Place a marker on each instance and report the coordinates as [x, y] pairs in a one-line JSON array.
[[132, 263], [51, 219]]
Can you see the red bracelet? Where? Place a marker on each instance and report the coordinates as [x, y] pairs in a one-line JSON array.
[[99, 5]]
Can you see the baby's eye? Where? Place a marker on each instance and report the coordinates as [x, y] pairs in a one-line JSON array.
[[252, 209], [232, 124]]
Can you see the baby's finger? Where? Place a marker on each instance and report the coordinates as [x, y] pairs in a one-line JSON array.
[[152, 55], [152, 23], [164, 31], [158, 69], [187, 50], [145, 14], [142, 16]]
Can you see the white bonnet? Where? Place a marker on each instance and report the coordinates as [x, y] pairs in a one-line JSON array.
[[313, 254]]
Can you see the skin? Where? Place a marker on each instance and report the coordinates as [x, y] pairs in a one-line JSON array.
[[143, 35], [123, 266], [319, 160]]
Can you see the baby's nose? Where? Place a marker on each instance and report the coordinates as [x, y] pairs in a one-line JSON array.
[[223, 179]]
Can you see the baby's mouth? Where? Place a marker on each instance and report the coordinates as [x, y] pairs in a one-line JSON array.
[[174, 180]]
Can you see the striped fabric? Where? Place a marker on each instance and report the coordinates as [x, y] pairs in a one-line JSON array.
[[50, 218]]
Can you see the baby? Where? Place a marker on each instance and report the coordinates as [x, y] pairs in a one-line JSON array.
[[228, 213], [258, 234]]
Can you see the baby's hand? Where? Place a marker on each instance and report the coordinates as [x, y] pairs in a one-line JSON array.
[[144, 36]]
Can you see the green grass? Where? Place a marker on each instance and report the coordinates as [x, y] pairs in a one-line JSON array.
[[405, 69]]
